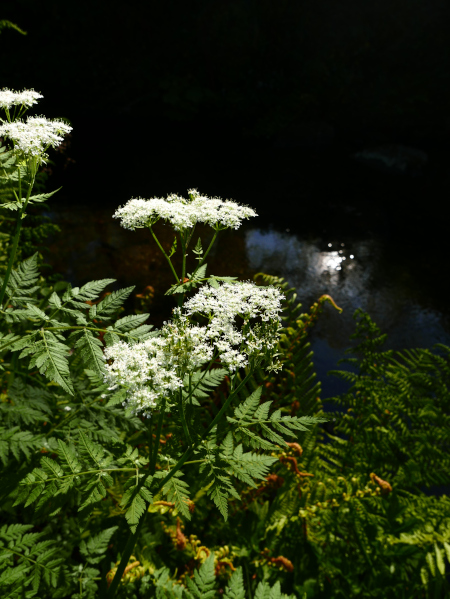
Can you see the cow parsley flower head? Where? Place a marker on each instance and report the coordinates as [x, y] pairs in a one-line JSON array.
[[183, 213], [226, 301], [36, 135], [157, 367], [223, 304], [27, 98]]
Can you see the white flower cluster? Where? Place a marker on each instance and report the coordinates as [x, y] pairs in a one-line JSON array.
[[223, 304], [35, 135], [183, 213], [27, 98], [155, 368], [230, 299]]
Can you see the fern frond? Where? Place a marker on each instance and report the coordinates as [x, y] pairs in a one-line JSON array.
[[177, 491], [49, 355], [94, 548], [235, 588], [79, 297], [21, 284], [90, 350], [110, 305], [203, 585], [28, 560], [252, 423]]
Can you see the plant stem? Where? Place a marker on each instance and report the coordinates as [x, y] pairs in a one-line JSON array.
[[20, 215], [183, 420], [157, 438], [131, 541], [129, 547], [183, 268], [166, 256]]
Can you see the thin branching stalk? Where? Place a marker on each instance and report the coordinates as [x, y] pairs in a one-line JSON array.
[[165, 255]]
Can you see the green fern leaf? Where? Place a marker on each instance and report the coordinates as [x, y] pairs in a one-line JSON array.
[[21, 284], [193, 281], [42, 197], [50, 356], [177, 490], [88, 293], [235, 588], [91, 351], [110, 305], [203, 585], [128, 323], [94, 548], [134, 512], [91, 451]]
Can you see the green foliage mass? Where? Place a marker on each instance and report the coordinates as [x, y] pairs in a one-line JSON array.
[[339, 511], [236, 487]]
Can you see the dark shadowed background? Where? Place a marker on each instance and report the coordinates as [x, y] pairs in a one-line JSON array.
[[330, 118]]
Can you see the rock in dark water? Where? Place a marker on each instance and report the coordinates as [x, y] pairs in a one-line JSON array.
[[394, 159]]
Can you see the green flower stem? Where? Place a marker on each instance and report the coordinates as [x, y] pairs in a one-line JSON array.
[[129, 547], [183, 420], [216, 232], [20, 216], [158, 436], [166, 256], [131, 541], [183, 268], [183, 248]]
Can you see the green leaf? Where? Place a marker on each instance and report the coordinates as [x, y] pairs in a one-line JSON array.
[[90, 450], [128, 323], [235, 589], [42, 197], [193, 281], [108, 307], [50, 356], [91, 351], [68, 454], [135, 511], [95, 546], [21, 284], [177, 490], [203, 585]]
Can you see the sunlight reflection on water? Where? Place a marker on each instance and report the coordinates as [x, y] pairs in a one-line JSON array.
[[347, 273]]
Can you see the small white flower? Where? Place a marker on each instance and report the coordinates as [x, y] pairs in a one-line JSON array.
[[183, 213], [34, 136], [67, 408], [27, 98]]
